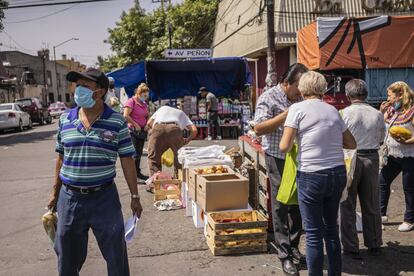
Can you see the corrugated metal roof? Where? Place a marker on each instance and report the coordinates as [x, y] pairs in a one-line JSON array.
[[290, 16]]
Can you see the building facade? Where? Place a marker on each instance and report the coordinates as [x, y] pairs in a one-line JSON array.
[[241, 26], [71, 65], [36, 76]]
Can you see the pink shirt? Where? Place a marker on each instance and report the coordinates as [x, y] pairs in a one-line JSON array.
[[139, 111]]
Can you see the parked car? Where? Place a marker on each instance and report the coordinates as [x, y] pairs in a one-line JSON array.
[[56, 109], [13, 116], [38, 113]]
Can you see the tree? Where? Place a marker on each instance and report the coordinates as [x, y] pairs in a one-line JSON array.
[[3, 4], [140, 35]]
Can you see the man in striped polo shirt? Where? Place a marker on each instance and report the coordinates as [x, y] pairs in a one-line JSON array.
[[90, 137]]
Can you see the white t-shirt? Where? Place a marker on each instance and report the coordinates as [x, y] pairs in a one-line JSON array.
[[366, 124], [167, 114], [319, 135]]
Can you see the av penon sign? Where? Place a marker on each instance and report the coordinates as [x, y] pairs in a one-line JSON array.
[[188, 53]]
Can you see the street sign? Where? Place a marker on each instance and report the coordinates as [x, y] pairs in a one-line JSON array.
[[188, 53]]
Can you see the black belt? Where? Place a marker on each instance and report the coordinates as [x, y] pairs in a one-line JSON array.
[[89, 190], [367, 151]]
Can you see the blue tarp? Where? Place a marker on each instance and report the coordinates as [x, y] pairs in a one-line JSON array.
[[129, 77], [171, 79]]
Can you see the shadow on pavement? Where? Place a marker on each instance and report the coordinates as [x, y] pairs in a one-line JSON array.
[[395, 258], [23, 138]]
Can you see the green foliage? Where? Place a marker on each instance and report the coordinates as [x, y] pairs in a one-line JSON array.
[[139, 35]]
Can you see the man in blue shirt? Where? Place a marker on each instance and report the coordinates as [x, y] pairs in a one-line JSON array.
[[90, 137]]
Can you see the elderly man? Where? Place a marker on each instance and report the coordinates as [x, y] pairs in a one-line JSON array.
[[212, 112], [166, 131], [89, 139], [367, 126]]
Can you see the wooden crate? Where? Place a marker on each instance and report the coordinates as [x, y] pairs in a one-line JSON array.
[[228, 238], [161, 193]]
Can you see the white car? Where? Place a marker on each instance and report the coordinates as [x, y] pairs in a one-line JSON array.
[[12, 116], [56, 109]]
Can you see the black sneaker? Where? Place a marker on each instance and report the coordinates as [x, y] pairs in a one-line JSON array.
[[298, 258], [141, 176], [375, 251], [353, 255], [289, 267]]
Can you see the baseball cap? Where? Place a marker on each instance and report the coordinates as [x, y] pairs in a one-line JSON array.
[[202, 89], [90, 74]]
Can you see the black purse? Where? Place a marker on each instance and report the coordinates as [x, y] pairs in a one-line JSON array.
[[139, 134]]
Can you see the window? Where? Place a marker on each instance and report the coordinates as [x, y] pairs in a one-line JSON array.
[[59, 98], [6, 107], [51, 97], [17, 108], [37, 103], [49, 77], [67, 97]]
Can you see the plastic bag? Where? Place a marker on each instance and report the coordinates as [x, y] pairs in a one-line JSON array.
[[200, 152], [167, 158], [287, 193], [350, 162], [49, 220]]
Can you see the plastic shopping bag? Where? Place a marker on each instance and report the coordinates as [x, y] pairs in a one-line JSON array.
[[288, 191], [350, 162], [167, 158], [49, 220]]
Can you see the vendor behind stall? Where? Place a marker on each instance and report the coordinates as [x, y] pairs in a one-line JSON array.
[[167, 125], [212, 112]]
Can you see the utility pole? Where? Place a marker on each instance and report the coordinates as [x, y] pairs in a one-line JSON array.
[[42, 54], [271, 47]]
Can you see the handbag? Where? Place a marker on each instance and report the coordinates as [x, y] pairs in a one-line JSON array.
[[383, 151], [287, 193], [139, 134]]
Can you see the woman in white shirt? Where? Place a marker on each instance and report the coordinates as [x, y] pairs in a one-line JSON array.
[[321, 135]]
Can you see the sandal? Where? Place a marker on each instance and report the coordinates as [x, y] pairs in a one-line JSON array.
[[150, 190]]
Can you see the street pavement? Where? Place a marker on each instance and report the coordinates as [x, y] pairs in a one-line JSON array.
[[167, 242]]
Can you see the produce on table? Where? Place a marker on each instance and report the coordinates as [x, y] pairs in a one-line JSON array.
[[210, 170], [400, 132]]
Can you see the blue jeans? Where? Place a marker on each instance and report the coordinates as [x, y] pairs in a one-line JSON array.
[[319, 194], [100, 211], [388, 173]]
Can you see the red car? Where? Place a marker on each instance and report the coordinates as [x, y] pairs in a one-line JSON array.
[[38, 113]]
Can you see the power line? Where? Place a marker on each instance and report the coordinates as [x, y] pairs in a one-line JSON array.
[[238, 29], [53, 4], [42, 17]]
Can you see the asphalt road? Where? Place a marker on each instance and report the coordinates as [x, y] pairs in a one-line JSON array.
[[167, 243]]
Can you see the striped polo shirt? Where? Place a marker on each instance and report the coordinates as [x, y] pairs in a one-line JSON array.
[[89, 157]]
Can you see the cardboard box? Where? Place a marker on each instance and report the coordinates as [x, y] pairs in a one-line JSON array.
[[219, 192], [187, 202], [161, 192], [192, 179], [198, 215]]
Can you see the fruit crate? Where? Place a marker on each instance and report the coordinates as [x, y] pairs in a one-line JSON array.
[[162, 191], [236, 232]]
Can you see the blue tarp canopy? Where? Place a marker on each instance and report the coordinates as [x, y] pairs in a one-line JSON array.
[[171, 79], [129, 77]]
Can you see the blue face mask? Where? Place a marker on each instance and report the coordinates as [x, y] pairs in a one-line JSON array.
[[397, 105], [83, 97]]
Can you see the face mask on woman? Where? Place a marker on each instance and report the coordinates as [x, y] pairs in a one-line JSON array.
[[83, 97], [397, 105], [143, 97]]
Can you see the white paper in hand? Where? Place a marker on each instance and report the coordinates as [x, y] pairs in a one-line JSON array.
[[130, 228]]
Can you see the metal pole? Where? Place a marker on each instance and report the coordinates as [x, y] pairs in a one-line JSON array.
[[44, 77], [170, 34], [56, 73], [271, 47]]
